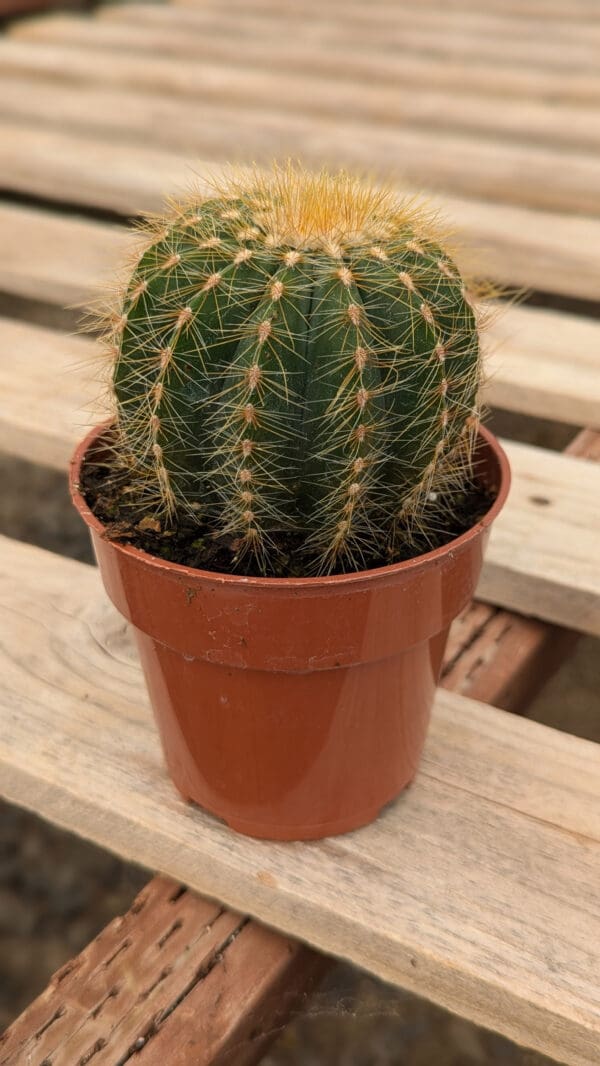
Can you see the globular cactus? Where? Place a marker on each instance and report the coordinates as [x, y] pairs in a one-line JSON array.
[[297, 353]]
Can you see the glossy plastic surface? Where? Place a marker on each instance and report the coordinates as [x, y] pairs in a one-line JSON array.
[[293, 708]]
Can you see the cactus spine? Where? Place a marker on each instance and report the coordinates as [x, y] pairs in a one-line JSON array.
[[297, 353]]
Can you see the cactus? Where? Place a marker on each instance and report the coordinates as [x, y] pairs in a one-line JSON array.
[[297, 353]]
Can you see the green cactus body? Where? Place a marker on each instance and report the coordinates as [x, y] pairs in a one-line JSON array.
[[297, 354]]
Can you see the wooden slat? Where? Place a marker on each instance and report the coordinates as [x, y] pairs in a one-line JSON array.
[[418, 71], [534, 122], [566, 22], [513, 945], [47, 389], [586, 10], [481, 23], [545, 363], [503, 658], [535, 176], [438, 20], [546, 540], [440, 38], [581, 10], [355, 11], [543, 250], [55, 258], [88, 172], [176, 976], [395, 31]]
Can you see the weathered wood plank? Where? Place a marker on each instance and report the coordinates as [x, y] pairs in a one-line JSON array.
[[536, 176], [176, 975], [437, 18], [543, 250], [48, 383], [382, 110], [166, 120], [88, 172], [513, 945], [386, 31], [547, 538], [583, 11], [420, 71], [503, 658], [545, 363], [56, 258], [535, 44]]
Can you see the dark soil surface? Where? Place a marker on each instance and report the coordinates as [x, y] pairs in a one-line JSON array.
[[191, 542]]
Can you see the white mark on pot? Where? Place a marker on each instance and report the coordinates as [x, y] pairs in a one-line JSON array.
[[188, 658], [224, 700]]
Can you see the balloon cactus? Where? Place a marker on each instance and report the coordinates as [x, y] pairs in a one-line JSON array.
[[297, 353]]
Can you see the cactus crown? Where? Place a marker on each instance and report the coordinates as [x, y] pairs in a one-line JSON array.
[[297, 353]]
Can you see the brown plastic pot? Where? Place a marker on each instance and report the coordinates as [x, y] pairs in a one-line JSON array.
[[293, 708]]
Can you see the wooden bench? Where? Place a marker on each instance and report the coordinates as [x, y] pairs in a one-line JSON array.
[[477, 889]]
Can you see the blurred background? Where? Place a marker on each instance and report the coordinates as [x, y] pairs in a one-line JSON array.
[[491, 108]]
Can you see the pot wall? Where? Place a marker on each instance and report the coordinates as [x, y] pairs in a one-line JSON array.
[[294, 708]]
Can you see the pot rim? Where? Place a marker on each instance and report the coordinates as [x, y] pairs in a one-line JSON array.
[[407, 566]]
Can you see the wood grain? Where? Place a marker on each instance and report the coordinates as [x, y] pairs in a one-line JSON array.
[[546, 539], [176, 975], [503, 78], [437, 18], [583, 10], [503, 658], [537, 176], [484, 872], [48, 383], [378, 108], [388, 32], [380, 73], [57, 258], [355, 12], [545, 363]]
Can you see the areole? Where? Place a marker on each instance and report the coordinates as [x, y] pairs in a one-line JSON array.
[[293, 708]]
